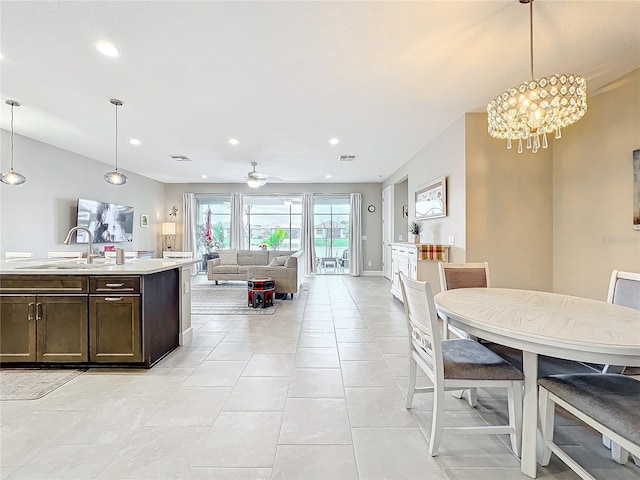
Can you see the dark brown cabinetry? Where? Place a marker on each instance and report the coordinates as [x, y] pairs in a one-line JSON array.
[[43, 319], [89, 319], [114, 305]]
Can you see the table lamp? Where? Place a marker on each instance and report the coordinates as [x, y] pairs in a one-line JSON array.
[[169, 233]]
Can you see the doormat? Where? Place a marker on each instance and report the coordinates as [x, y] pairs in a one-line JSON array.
[[225, 300], [23, 384]]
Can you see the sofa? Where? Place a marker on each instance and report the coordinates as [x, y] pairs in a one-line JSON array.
[[281, 265]]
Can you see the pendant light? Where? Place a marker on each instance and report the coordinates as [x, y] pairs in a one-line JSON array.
[[115, 177], [12, 177], [527, 112]]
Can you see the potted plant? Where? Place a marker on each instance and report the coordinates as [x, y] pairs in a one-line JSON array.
[[275, 238], [416, 228]]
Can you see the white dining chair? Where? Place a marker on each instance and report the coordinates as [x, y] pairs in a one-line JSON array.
[[461, 275], [607, 402], [455, 364], [18, 254], [624, 289], [64, 254]]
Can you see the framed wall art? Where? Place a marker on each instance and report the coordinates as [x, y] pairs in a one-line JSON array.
[[431, 199], [636, 189], [144, 221]]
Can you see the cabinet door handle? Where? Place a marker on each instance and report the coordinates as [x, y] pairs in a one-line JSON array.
[[38, 311], [112, 299], [115, 285], [31, 307]]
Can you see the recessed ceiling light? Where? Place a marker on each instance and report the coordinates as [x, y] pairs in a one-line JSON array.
[[134, 141], [234, 141], [328, 176], [107, 49], [334, 141], [1, 56], [204, 176]]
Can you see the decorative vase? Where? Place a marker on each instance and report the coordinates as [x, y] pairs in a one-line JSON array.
[[416, 239]]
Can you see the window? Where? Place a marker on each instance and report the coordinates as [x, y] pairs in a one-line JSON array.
[[213, 222], [332, 222], [273, 221]]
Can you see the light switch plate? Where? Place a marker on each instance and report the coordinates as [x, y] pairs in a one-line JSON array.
[[399, 238], [452, 240], [364, 237]]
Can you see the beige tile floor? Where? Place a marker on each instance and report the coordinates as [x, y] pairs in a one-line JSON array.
[[315, 391]]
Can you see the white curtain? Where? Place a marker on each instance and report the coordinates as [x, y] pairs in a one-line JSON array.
[[189, 226], [308, 234], [237, 221], [355, 236]]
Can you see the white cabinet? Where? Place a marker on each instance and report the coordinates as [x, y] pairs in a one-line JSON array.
[[418, 262]]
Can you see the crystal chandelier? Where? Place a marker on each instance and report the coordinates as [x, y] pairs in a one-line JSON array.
[[529, 111]]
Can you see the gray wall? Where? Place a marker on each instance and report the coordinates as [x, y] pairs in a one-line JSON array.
[[445, 156], [371, 195], [37, 215]]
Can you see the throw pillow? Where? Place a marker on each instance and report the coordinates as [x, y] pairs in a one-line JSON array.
[[278, 261], [228, 257]]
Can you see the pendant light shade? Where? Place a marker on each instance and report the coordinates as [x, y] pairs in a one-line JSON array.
[[12, 177], [115, 177], [529, 111]]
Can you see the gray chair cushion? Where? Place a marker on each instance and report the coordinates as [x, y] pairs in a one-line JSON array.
[[610, 399], [469, 360], [627, 293]]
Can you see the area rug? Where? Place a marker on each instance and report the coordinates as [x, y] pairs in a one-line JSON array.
[[228, 299], [22, 384]]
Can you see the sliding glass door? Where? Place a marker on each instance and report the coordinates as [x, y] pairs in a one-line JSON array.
[[332, 222], [213, 223]]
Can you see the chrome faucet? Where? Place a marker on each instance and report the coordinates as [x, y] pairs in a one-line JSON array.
[[67, 241]]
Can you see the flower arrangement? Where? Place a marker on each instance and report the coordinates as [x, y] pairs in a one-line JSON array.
[[416, 228], [263, 246], [212, 240]]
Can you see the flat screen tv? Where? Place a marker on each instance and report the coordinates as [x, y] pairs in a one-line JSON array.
[[109, 222]]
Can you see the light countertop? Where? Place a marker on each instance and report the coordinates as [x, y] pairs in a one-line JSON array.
[[101, 266]]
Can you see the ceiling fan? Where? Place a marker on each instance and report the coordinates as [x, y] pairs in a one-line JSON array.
[[257, 179]]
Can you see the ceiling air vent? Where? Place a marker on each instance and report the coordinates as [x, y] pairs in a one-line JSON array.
[[347, 158], [180, 158]]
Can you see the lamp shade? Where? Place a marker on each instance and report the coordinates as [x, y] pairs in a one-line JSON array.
[[168, 228]]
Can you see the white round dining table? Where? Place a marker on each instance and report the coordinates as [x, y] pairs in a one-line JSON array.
[[542, 323]]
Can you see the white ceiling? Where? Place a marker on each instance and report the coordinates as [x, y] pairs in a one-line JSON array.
[[284, 77]]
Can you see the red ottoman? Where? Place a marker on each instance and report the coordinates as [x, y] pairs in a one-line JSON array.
[[260, 291]]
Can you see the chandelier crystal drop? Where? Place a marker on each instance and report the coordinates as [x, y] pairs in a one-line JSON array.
[[540, 106]]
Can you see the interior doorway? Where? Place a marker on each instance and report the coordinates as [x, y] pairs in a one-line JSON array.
[[387, 230]]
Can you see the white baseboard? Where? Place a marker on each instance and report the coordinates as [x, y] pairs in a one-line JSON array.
[[372, 273], [186, 336]]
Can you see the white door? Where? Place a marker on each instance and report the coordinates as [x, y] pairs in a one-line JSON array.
[[387, 230]]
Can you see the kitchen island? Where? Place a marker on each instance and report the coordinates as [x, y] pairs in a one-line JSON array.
[[67, 312]]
